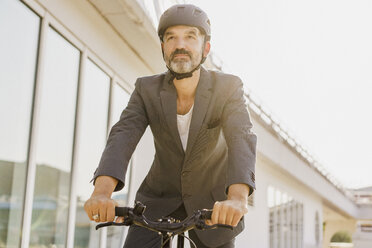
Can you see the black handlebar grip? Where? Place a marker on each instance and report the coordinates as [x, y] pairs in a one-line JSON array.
[[121, 211], [207, 214]]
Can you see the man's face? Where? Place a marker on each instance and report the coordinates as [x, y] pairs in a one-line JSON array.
[[182, 46]]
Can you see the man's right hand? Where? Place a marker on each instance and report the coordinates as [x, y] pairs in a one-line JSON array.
[[100, 207]]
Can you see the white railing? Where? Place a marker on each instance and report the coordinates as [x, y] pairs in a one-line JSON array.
[[363, 198]]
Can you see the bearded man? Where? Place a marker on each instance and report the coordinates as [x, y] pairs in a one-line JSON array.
[[205, 150]]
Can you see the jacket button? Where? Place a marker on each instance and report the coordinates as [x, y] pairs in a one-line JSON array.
[[184, 173]]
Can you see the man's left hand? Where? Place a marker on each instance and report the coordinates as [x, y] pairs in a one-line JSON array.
[[228, 212]]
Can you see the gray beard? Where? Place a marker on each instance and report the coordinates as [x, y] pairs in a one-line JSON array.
[[181, 66]]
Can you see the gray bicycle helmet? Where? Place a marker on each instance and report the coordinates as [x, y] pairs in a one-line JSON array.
[[188, 15], [184, 14]]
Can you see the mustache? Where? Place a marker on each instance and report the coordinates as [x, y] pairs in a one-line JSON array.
[[180, 51]]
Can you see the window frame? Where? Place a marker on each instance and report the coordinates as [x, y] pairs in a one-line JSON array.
[[48, 20]]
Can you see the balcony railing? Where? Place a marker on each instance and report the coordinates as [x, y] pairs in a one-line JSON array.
[[363, 198]]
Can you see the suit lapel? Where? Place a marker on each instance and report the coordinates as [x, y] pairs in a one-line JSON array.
[[168, 96], [201, 103]]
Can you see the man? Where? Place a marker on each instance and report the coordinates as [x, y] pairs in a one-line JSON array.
[[205, 151]]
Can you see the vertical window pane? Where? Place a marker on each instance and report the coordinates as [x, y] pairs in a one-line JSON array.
[[278, 200], [54, 142], [300, 225], [285, 220], [317, 228], [120, 98], [92, 138], [17, 73]]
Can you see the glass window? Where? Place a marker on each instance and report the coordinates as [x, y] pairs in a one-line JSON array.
[[91, 142], [279, 222], [285, 220], [317, 228], [54, 142], [18, 58], [120, 98], [119, 102]]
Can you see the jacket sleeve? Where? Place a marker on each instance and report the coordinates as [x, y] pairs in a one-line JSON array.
[[241, 142], [123, 139]]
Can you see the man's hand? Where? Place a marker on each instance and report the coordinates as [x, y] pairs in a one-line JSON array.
[[230, 211], [100, 207]]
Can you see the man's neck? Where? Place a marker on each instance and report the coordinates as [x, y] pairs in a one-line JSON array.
[[186, 87]]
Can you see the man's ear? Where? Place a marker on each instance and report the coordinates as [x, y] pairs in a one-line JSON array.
[[207, 48]]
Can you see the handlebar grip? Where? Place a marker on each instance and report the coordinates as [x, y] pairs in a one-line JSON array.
[[122, 211], [207, 214]]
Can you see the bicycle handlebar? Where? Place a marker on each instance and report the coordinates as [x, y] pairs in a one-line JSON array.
[[165, 225]]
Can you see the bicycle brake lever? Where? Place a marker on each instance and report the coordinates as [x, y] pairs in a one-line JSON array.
[[126, 222], [110, 224]]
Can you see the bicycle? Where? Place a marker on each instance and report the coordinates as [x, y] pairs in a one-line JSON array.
[[167, 227]]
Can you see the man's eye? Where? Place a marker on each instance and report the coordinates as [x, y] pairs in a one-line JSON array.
[[170, 38]]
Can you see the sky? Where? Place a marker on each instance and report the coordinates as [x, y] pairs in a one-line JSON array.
[[310, 64]]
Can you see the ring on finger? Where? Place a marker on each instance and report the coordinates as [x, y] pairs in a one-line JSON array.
[[95, 217]]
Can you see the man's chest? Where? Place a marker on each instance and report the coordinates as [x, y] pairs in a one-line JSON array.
[[184, 106]]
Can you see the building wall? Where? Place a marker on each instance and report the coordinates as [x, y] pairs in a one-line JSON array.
[[257, 220], [268, 173], [362, 238]]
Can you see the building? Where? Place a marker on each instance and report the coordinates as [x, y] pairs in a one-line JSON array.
[[67, 68]]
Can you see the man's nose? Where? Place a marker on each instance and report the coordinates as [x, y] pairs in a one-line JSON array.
[[180, 43]]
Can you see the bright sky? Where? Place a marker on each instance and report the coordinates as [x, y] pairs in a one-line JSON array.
[[310, 62]]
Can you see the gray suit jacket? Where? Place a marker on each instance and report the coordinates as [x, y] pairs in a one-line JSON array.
[[221, 148]]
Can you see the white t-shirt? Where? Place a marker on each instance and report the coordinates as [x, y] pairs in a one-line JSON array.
[[183, 124]]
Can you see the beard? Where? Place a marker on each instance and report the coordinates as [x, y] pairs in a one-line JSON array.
[[182, 65]]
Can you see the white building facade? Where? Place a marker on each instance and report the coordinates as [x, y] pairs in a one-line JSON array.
[[67, 68]]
